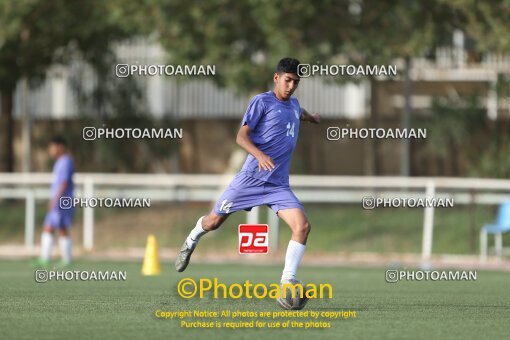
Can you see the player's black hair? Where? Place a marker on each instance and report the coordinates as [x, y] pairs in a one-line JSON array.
[[287, 65], [59, 140]]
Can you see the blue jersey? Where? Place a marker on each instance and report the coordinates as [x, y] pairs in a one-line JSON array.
[[274, 126], [62, 172], [60, 217]]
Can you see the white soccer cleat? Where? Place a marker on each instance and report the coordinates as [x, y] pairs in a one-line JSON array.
[[183, 258]]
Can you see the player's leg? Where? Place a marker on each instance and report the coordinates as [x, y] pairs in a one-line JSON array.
[[283, 201], [65, 244], [207, 223], [242, 193], [46, 244], [51, 221], [300, 227]]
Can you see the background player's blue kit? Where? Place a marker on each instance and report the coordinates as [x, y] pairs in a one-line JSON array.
[[62, 172]]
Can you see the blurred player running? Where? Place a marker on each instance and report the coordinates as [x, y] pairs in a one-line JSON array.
[[269, 134], [59, 217]]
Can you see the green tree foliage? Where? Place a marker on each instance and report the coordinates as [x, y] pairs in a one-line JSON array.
[[36, 34], [244, 39]]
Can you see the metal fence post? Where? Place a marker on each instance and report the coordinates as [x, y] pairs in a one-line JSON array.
[[30, 220], [253, 216], [273, 221], [88, 215], [428, 225]]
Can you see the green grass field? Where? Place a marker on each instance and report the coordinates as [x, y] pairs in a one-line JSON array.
[[126, 310]]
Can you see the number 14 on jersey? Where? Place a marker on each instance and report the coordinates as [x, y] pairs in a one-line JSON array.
[[290, 129]]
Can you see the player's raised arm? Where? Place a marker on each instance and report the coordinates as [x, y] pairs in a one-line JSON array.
[[244, 141], [308, 117]]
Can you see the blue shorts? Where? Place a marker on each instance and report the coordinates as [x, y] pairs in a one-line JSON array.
[[58, 219], [245, 192]]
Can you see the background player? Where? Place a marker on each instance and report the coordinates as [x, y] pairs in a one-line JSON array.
[[58, 218], [269, 134]]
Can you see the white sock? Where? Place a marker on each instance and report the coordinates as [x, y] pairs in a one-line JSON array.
[[46, 245], [196, 234], [65, 248], [295, 252]]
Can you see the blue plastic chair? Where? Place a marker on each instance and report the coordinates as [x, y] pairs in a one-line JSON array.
[[502, 225]]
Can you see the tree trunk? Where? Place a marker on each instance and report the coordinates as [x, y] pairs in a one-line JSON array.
[[405, 158], [373, 163], [473, 230], [7, 130]]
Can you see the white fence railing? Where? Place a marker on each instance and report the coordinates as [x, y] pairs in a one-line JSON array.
[[204, 188]]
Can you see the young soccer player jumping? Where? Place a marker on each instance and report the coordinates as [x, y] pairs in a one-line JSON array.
[[269, 134]]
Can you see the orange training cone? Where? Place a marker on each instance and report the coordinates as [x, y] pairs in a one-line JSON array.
[[151, 265]]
